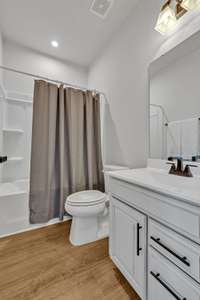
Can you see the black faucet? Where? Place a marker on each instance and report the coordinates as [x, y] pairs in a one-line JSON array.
[[179, 169]]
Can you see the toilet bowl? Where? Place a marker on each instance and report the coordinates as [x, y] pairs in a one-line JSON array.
[[85, 207], [90, 213]]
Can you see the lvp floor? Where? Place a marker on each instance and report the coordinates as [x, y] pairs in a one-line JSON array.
[[43, 265]]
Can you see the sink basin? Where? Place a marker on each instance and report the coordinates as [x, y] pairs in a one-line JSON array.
[[184, 188]]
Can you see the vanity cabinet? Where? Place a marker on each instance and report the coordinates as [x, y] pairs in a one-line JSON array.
[[128, 243], [155, 241]]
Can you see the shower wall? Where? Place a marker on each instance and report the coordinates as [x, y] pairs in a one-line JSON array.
[[16, 108], [17, 125]]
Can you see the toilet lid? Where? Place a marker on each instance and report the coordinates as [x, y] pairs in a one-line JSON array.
[[91, 197]]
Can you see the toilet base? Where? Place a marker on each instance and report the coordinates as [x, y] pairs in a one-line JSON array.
[[88, 230]]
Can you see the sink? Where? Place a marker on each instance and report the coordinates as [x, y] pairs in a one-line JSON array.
[[184, 188]]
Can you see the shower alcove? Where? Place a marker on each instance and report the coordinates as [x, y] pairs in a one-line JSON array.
[[15, 143]]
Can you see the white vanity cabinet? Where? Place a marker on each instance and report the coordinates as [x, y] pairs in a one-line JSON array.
[[155, 241], [128, 243]]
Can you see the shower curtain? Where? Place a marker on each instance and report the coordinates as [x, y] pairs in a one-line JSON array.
[[66, 148]]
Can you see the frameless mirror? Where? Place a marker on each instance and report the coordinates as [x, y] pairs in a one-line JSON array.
[[175, 102]]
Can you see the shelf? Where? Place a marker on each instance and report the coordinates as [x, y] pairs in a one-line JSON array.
[[13, 159], [19, 101], [10, 130]]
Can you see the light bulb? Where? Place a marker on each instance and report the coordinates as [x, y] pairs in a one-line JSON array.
[[190, 4], [167, 20]]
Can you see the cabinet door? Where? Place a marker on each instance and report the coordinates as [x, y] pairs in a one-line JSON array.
[[128, 244]]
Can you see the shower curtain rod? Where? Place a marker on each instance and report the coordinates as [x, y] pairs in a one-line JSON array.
[[52, 80]]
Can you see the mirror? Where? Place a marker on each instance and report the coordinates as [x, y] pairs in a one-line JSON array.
[[175, 103]]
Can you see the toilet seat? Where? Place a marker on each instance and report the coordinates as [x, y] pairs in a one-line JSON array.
[[86, 198]]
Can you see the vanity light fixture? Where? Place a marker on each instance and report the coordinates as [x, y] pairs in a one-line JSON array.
[[190, 4], [171, 12]]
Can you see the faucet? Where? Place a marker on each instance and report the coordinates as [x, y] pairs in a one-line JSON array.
[[179, 169]]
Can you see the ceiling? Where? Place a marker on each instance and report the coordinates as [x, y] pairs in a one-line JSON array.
[[81, 34]]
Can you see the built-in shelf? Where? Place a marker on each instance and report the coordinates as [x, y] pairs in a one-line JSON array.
[[12, 130], [19, 101], [13, 159]]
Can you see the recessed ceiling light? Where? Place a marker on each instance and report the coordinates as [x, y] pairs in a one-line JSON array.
[[54, 44]]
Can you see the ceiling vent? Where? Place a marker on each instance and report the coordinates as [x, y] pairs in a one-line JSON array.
[[101, 8]]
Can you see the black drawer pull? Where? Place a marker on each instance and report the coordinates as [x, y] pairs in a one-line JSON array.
[[138, 239], [182, 259], [157, 277]]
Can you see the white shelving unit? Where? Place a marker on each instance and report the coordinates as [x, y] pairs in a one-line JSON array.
[[19, 101], [15, 159], [16, 135], [13, 130]]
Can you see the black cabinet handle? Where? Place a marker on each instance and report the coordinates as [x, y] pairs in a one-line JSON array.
[[182, 259], [157, 277], [138, 239]]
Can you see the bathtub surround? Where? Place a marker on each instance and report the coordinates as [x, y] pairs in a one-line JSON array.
[[66, 148]]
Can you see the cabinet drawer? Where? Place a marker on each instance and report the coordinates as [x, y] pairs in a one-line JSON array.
[[184, 253], [167, 282], [178, 215]]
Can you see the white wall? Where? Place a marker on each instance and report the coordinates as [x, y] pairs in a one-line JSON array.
[[122, 73], [27, 60]]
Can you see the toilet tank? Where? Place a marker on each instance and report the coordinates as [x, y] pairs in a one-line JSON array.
[[109, 168]]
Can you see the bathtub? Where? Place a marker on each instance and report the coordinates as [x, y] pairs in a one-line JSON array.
[[14, 208], [13, 188]]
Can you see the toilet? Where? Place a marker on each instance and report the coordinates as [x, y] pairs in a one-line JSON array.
[[90, 213]]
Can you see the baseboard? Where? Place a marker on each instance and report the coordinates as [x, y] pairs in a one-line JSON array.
[[37, 226]]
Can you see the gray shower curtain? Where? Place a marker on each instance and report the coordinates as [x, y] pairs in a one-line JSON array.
[[66, 148]]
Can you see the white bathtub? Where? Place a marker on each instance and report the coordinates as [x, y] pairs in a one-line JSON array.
[[14, 208], [13, 188]]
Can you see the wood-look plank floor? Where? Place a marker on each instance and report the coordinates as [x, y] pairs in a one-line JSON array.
[[43, 265]]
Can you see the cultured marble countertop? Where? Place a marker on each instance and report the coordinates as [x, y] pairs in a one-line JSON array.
[[158, 180]]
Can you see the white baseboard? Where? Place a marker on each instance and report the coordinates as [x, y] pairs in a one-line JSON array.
[[31, 227]]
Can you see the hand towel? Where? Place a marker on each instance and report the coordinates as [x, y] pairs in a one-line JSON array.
[[190, 140], [174, 139]]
